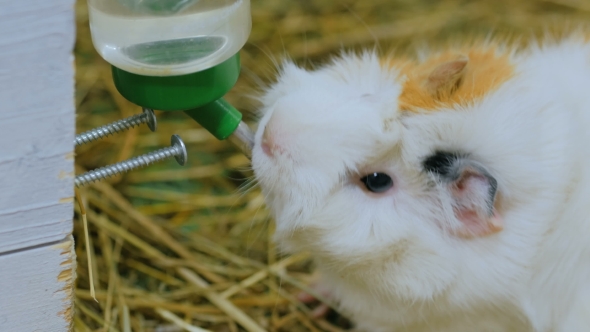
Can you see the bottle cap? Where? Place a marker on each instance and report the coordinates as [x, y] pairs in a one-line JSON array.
[[178, 93]]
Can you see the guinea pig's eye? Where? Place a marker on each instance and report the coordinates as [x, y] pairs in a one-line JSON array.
[[377, 182]]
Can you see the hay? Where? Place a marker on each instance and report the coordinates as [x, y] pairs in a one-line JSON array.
[[182, 248]]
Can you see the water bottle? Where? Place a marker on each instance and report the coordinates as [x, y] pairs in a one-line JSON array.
[[168, 37], [174, 55]]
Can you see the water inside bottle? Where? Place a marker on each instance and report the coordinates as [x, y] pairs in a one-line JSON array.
[[174, 52], [157, 7], [162, 45]]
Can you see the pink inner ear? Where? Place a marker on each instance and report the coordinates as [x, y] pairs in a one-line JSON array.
[[471, 183], [474, 206], [474, 225]]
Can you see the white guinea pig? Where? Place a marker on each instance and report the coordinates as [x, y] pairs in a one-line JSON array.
[[450, 193]]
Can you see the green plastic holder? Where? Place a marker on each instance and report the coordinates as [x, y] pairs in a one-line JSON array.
[[219, 117], [198, 94]]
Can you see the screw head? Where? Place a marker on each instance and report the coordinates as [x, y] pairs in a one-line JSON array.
[[182, 156], [152, 123]]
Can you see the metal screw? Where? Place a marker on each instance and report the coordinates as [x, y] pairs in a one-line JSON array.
[[147, 116], [178, 150]]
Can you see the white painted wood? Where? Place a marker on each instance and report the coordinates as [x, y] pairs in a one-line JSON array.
[[37, 126], [36, 288], [37, 123]]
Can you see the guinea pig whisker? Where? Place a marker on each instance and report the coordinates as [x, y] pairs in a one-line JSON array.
[[264, 227], [249, 184]]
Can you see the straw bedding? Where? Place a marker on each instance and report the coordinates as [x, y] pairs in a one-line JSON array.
[[188, 248]]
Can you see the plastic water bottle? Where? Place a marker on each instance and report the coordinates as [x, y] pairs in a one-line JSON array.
[[168, 37], [175, 55]]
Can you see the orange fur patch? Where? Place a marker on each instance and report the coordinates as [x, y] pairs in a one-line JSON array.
[[486, 70]]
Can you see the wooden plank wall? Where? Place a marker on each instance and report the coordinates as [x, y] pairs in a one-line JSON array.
[[37, 127]]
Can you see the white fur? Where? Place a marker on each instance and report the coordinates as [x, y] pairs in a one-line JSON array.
[[385, 257]]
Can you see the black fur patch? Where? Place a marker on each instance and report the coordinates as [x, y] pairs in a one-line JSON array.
[[441, 163]]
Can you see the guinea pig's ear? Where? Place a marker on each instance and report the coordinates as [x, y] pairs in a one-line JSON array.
[[446, 77], [473, 192]]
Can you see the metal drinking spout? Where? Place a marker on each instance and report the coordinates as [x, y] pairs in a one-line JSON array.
[[243, 138]]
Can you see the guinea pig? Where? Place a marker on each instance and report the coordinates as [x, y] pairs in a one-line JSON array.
[[446, 192]]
